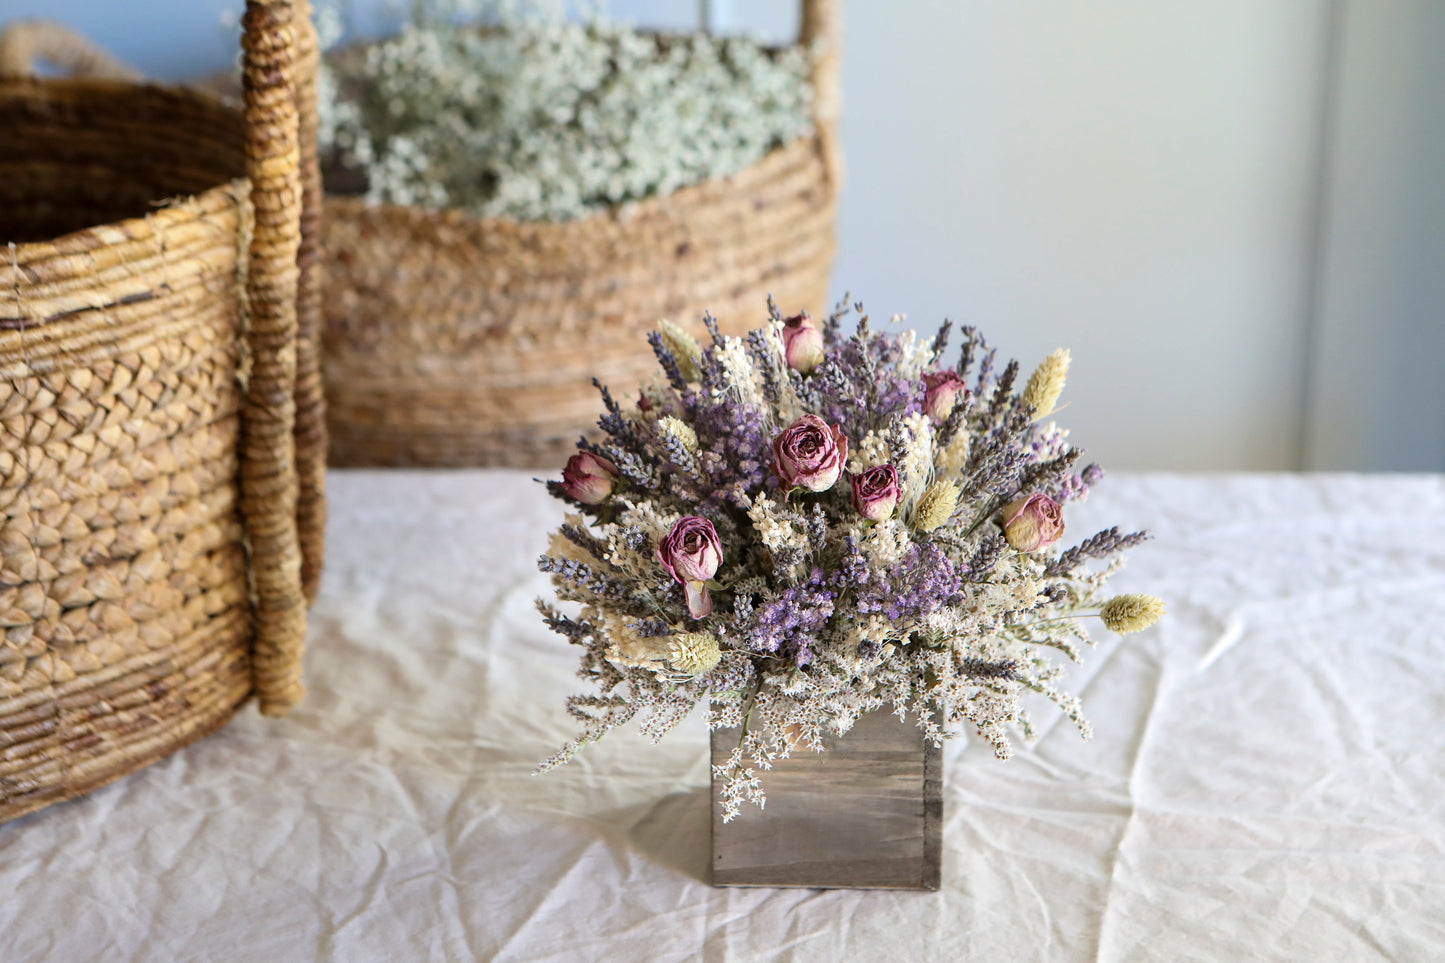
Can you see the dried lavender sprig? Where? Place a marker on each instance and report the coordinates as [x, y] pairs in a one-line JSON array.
[[581, 575], [1003, 393], [710, 323], [1005, 670], [818, 530], [962, 408], [1048, 470], [985, 370], [765, 360], [1102, 545], [651, 628], [774, 312], [940, 341], [808, 389], [990, 549], [833, 325], [998, 459], [584, 540], [562, 624], [615, 709], [972, 341], [678, 454], [631, 466], [667, 360], [900, 444], [616, 424], [784, 559], [585, 577], [1004, 481]]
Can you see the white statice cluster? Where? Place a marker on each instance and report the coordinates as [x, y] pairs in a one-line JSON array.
[[794, 549], [537, 118]]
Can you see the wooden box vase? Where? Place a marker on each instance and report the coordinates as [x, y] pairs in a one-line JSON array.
[[866, 813]]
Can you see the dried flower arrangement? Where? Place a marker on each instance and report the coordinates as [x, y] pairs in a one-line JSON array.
[[538, 118], [800, 526]]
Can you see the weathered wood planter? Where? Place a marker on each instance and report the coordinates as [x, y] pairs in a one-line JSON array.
[[866, 813]]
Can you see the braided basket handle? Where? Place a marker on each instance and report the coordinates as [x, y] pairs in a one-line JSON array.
[[279, 70], [25, 42], [822, 29]]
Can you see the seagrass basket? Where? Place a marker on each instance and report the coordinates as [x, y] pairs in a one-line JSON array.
[[454, 340], [161, 427]]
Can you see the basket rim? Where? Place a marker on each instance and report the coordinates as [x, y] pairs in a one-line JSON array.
[[83, 239]]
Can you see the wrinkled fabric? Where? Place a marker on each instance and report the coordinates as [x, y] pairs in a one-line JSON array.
[[1265, 780]]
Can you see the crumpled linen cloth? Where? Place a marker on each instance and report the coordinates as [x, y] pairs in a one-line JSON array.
[[1265, 781]]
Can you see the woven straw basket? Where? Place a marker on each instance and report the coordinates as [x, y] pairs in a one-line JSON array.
[[161, 431], [455, 340]]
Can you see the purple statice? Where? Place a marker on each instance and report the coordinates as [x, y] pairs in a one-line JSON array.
[[734, 444], [853, 571], [918, 584], [1076, 487], [787, 624], [859, 387]]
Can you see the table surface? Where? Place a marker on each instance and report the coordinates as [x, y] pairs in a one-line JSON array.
[[1265, 780]]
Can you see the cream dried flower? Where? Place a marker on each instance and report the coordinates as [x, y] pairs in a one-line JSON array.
[[684, 347], [936, 506], [680, 430], [694, 652], [1132, 613], [1046, 384]]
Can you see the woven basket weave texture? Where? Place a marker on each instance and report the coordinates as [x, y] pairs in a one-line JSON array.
[[160, 491], [452, 340]]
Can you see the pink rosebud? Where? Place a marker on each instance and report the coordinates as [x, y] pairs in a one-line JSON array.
[[1033, 522], [876, 492], [691, 553], [810, 454], [589, 478], [802, 343], [942, 388]]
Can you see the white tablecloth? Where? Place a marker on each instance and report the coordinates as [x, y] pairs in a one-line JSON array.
[[1265, 782]]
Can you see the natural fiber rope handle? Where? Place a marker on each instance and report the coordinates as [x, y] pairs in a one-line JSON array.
[[279, 63], [822, 30], [24, 42]]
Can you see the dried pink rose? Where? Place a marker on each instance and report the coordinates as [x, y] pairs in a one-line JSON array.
[[802, 343], [876, 492], [941, 391], [691, 553], [1033, 522], [810, 454], [589, 478]]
